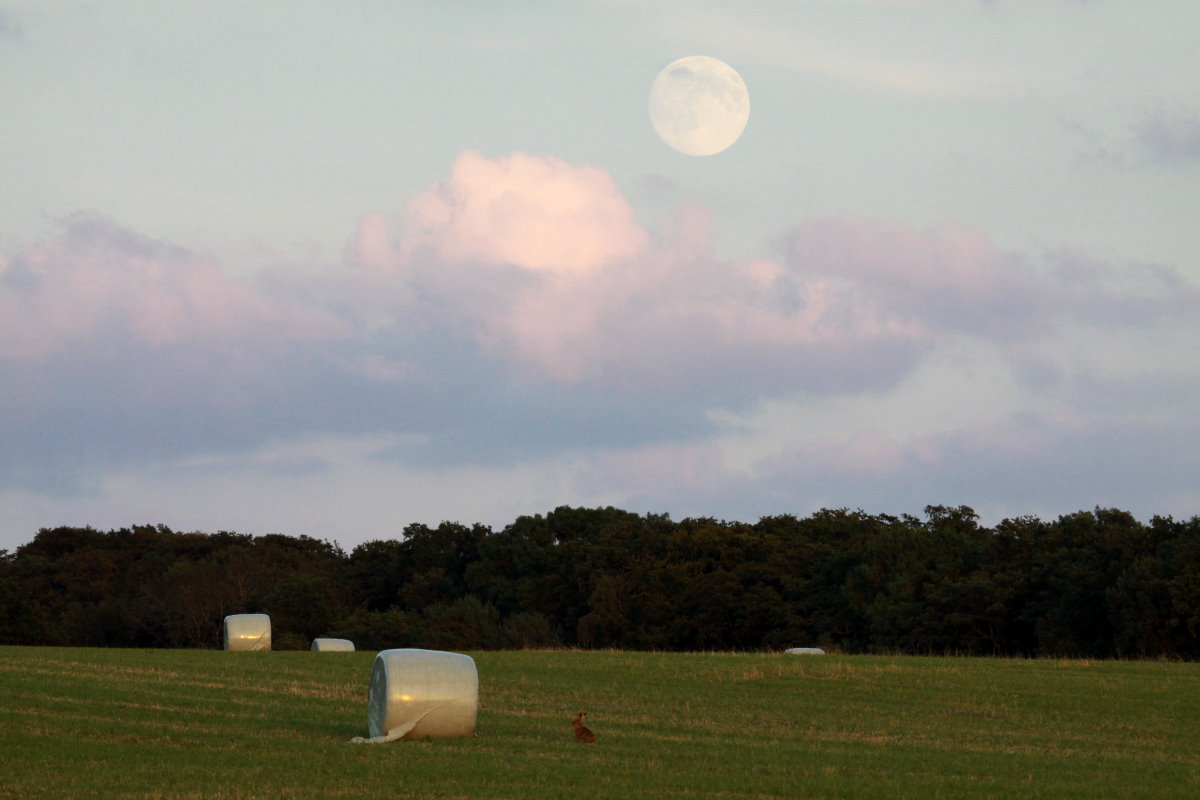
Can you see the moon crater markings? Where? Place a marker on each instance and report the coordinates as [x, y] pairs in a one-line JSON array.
[[699, 105]]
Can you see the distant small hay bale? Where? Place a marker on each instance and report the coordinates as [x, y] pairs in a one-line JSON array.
[[333, 645], [247, 632], [805, 651], [421, 694]]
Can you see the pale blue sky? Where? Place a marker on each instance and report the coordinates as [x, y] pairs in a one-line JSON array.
[[953, 259]]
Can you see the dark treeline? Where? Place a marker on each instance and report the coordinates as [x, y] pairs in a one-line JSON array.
[[1094, 584]]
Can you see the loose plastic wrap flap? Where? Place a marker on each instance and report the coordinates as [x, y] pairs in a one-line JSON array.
[[333, 645], [422, 693], [247, 632]]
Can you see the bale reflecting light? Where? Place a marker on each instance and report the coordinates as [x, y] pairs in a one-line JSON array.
[[421, 694], [247, 632]]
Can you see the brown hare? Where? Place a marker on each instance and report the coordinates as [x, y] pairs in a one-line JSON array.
[[582, 732]]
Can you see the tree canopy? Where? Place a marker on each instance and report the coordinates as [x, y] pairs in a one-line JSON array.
[[1091, 584]]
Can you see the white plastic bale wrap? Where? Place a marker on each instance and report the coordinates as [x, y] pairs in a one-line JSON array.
[[333, 645], [247, 632], [805, 651], [421, 694]]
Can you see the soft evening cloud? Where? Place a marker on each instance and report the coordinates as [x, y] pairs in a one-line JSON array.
[[599, 305], [1110, 295], [100, 286], [948, 279], [535, 212], [1171, 140], [1032, 461], [515, 316], [372, 245], [344, 270], [1024, 463], [853, 305], [683, 320], [118, 346]]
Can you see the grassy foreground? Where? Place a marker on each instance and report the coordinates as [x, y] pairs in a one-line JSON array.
[[205, 724]]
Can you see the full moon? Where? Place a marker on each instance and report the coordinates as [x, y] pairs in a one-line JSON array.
[[699, 105]]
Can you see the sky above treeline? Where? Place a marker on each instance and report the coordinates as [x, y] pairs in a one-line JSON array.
[[334, 268]]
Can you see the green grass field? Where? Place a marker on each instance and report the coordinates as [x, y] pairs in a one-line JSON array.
[[84, 723]]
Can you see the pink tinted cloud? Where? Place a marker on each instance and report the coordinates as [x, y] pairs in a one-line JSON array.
[[544, 259], [950, 256], [539, 263], [599, 303], [98, 280], [371, 245], [535, 212], [675, 324], [949, 277]]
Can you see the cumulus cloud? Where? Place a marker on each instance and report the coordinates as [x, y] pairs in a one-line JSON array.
[[116, 345], [372, 245], [99, 281], [583, 297], [948, 279], [595, 303], [516, 311], [535, 212]]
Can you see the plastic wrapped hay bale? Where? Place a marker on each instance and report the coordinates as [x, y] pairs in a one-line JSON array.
[[421, 694], [805, 651], [247, 632], [333, 645]]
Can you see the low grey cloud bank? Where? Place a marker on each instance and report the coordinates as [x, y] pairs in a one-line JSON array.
[[1171, 139]]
